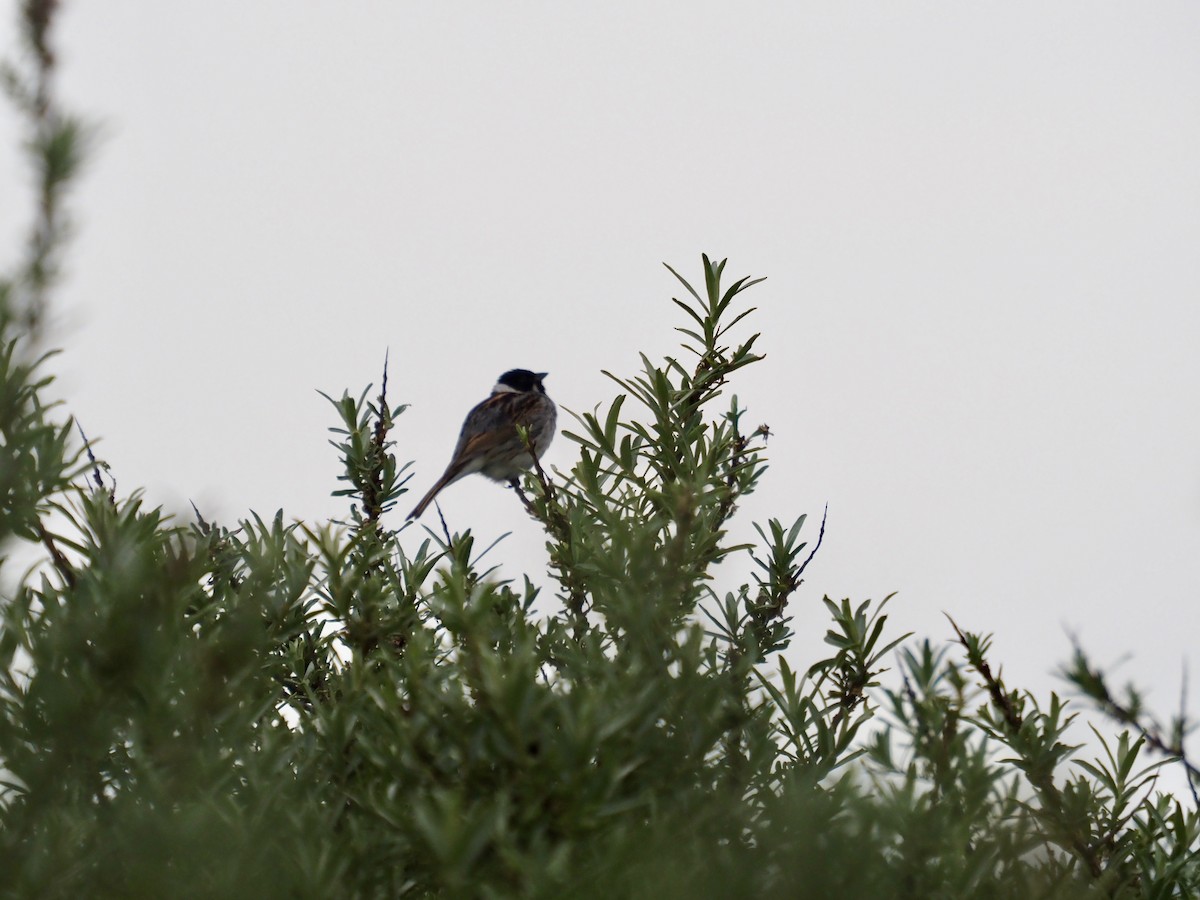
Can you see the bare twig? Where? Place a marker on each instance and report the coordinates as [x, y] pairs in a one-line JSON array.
[[383, 387], [445, 527], [97, 478], [820, 537], [205, 528]]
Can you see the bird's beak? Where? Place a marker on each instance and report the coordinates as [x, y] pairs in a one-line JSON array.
[[541, 375]]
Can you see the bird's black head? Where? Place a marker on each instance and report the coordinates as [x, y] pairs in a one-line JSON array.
[[521, 380]]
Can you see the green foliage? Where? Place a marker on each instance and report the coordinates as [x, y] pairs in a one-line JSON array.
[[350, 709]]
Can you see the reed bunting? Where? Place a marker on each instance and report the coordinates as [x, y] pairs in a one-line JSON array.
[[489, 443]]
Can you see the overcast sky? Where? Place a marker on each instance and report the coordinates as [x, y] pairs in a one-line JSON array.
[[980, 225]]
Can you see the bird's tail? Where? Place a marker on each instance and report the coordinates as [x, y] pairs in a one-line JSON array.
[[428, 498]]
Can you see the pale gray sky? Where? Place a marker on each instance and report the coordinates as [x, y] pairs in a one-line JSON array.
[[980, 224]]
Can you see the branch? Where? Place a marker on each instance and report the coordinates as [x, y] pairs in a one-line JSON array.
[[820, 537], [372, 489], [56, 556], [1092, 683], [555, 521], [445, 527], [96, 476], [55, 144], [1042, 782]]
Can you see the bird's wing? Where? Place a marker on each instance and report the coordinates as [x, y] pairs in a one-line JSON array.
[[490, 424]]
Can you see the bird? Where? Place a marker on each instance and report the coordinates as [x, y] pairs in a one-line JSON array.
[[489, 442]]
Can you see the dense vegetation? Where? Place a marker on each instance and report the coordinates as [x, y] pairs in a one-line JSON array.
[[271, 708]]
